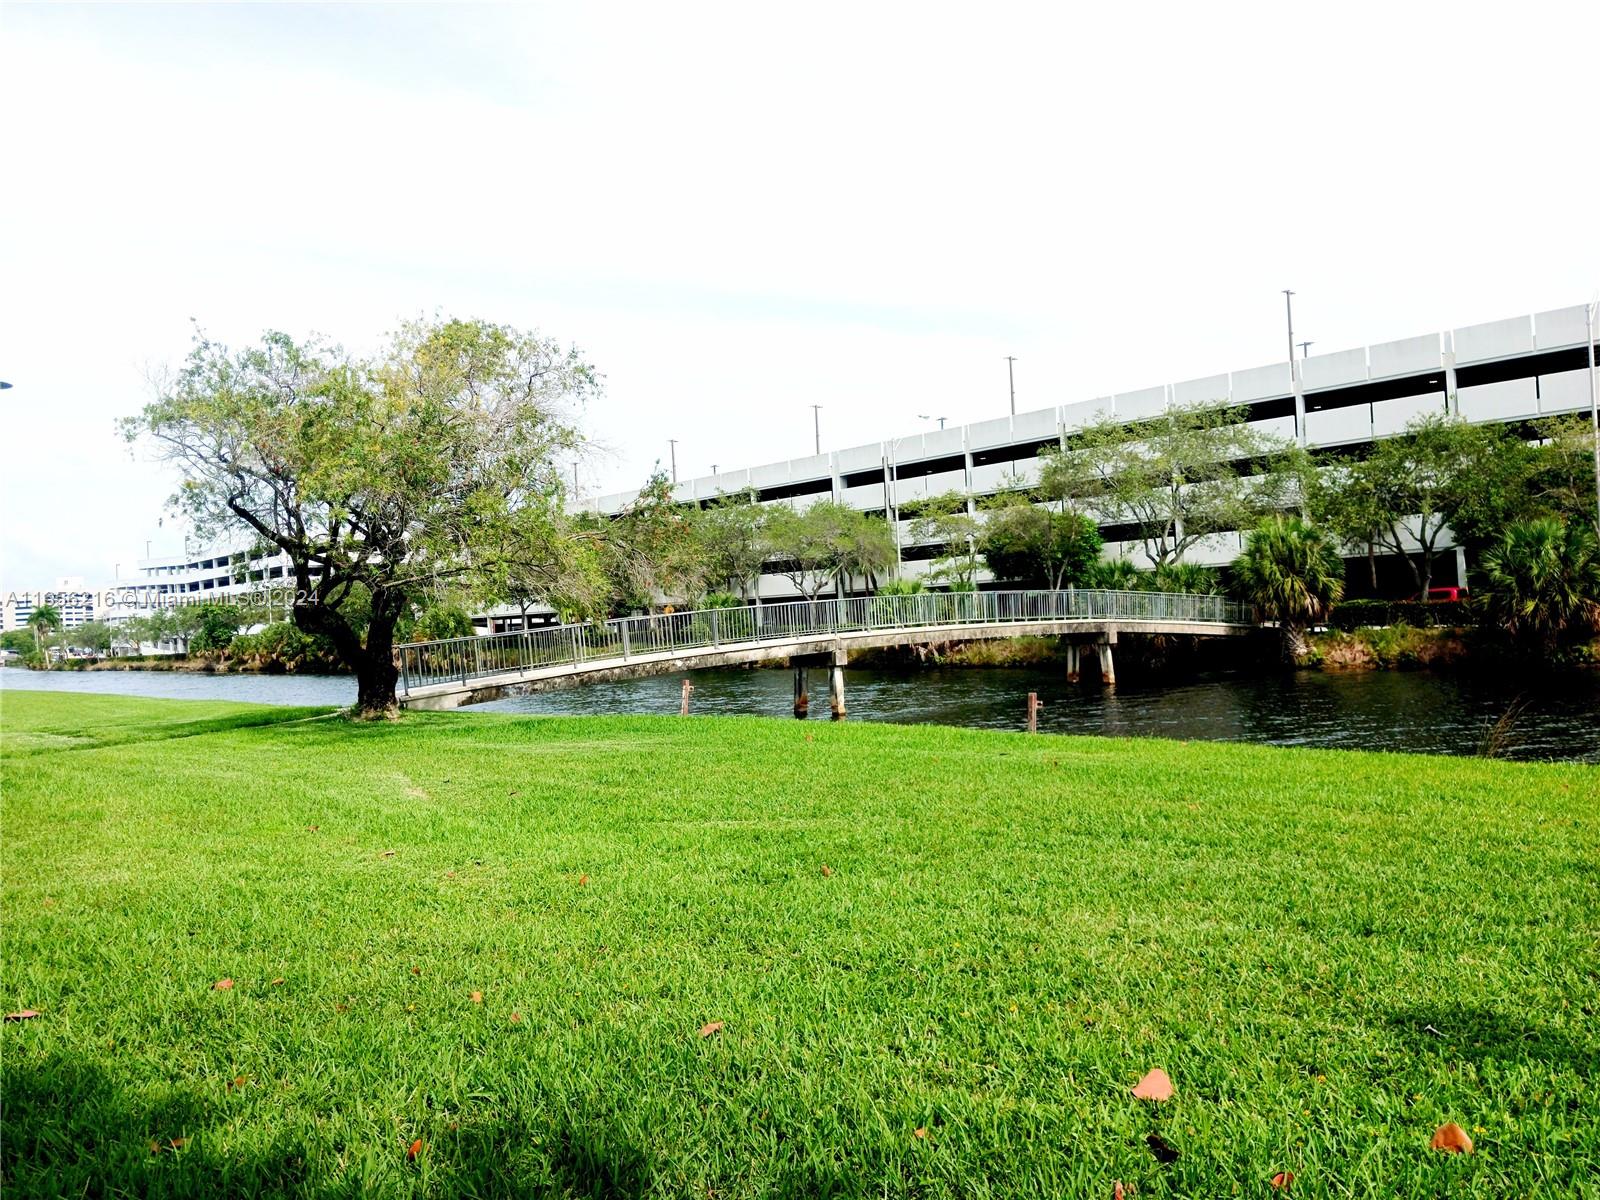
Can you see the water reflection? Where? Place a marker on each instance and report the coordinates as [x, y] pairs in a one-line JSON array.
[[1380, 710]]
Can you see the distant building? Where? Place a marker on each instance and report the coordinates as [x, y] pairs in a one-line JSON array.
[[70, 596]]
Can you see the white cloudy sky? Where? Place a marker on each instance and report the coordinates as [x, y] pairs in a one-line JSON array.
[[738, 211]]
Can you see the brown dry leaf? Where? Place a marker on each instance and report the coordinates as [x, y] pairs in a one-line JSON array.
[[583, 881], [920, 1132], [1119, 1191], [1282, 1180], [341, 1008], [278, 982], [26, 1014], [826, 870], [416, 970], [711, 1027], [49, 902], [313, 828], [237, 1082], [222, 985], [1451, 1138], [1156, 1085], [157, 1147], [516, 1018], [387, 854], [413, 1150], [809, 738], [477, 997], [449, 874]]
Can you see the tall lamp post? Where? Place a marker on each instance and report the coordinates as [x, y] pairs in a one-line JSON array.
[[816, 425], [673, 443], [1011, 378]]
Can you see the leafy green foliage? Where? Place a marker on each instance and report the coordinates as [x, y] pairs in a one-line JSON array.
[[1292, 573], [1184, 577], [1412, 486], [1544, 582], [1179, 477], [434, 462], [212, 628], [945, 520], [816, 545], [1036, 545], [901, 587], [732, 536], [1114, 575]]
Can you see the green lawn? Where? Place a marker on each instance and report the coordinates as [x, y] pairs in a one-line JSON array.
[[1331, 953]]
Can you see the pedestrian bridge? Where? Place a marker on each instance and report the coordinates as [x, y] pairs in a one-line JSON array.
[[470, 670]]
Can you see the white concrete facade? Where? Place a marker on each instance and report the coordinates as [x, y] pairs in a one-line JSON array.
[[1511, 370]]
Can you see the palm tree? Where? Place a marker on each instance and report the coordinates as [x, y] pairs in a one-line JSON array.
[[1113, 575], [44, 620], [1292, 573], [1544, 581]]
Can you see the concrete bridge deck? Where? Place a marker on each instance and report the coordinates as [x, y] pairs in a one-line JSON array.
[[458, 671]]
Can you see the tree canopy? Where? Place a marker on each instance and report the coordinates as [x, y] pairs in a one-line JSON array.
[[434, 460]]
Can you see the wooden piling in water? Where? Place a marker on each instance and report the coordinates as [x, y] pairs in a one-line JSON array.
[[1033, 712], [802, 699], [683, 705]]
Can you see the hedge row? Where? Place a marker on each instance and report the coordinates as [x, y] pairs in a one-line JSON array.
[[1354, 614]]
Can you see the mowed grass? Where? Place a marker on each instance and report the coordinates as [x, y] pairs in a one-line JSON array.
[[1331, 953]]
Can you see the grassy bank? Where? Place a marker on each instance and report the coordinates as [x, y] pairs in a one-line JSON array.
[[497, 940]]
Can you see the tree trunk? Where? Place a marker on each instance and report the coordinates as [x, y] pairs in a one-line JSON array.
[[373, 664], [1372, 565]]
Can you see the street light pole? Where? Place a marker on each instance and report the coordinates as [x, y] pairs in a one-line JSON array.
[[673, 442], [816, 425], [1288, 312], [1011, 377], [1304, 346]]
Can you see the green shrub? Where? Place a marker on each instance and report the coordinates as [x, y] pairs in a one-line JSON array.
[[1358, 614], [901, 587]]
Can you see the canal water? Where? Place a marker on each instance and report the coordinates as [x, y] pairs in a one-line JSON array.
[[1555, 717]]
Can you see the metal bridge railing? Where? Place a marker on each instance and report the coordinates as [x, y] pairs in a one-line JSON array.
[[463, 659]]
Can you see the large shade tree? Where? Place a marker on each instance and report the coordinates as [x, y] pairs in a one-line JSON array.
[[1175, 478], [381, 478]]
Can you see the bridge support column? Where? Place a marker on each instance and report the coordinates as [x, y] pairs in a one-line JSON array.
[[1108, 666], [836, 691], [802, 699], [1072, 661]]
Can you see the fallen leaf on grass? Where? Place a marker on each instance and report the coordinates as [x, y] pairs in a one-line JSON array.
[[920, 1132], [413, 1150], [809, 738], [516, 1018], [711, 1027], [278, 982], [1282, 1180], [313, 828], [826, 870], [222, 985], [583, 881], [157, 1147], [237, 1082], [1156, 1085], [1451, 1138], [26, 1014], [1164, 1150], [416, 970], [1119, 1191], [341, 1008], [49, 902], [477, 997], [387, 854]]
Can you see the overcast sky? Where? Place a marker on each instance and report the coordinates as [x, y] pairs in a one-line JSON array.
[[737, 212]]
